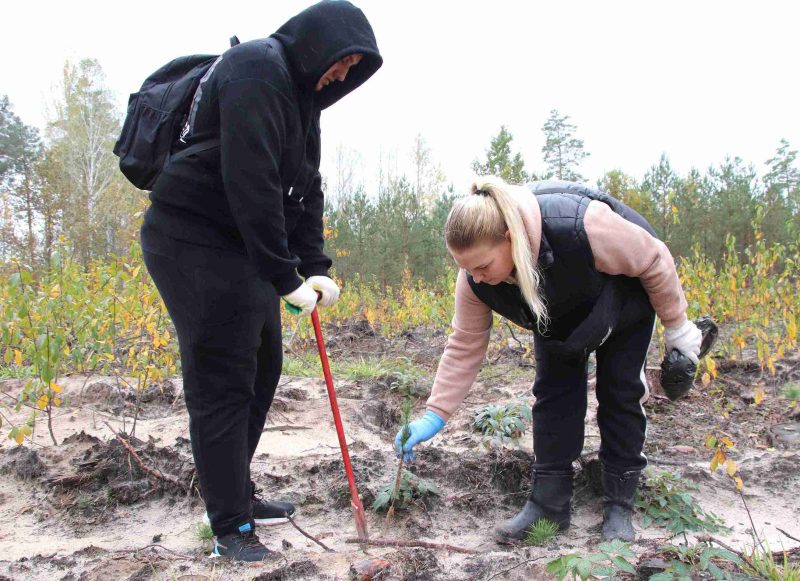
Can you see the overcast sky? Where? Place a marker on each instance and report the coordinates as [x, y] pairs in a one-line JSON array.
[[698, 80]]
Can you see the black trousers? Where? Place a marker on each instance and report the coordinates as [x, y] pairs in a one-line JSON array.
[[229, 330], [560, 389]]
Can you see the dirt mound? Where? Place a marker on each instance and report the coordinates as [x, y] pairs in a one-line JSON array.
[[509, 471], [155, 400], [415, 564], [295, 570], [483, 480], [23, 463], [777, 472], [295, 393], [80, 438], [383, 414], [164, 393], [328, 478], [108, 474], [100, 395], [786, 436]]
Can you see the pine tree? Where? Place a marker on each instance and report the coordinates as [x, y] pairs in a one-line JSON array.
[[563, 152], [501, 162], [783, 178], [20, 148]]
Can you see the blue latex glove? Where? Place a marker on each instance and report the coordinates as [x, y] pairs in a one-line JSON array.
[[421, 430]]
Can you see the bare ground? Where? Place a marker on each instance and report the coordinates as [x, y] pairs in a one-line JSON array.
[[88, 509]]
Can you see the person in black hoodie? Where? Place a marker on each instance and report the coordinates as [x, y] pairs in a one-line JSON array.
[[233, 229]]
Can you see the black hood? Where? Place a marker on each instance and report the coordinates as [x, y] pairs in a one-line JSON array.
[[322, 35]]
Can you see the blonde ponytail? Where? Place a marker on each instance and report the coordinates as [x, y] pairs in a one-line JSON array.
[[484, 216]]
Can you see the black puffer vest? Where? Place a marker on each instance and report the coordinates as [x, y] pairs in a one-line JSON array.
[[584, 305]]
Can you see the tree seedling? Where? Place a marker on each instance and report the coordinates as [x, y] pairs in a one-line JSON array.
[[608, 563], [665, 500], [411, 488], [696, 562], [405, 415], [501, 424], [204, 533], [542, 532]]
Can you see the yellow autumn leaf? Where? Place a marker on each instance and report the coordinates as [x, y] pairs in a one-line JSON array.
[[706, 379], [719, 458], [730, 467], [19, 437], [739, 483], [17, 357], [791, 329], [759, 395], [727, 441], [55, 292], [41, 403]]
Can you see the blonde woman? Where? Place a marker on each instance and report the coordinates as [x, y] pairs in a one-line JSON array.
[[584, 273]]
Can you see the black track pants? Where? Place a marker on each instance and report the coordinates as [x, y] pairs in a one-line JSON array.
[[561, 399], [229, 331]]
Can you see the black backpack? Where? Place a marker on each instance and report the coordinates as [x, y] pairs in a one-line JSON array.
[[156, 116]]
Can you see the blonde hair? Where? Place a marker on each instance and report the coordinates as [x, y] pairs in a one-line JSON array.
[[484, 216]]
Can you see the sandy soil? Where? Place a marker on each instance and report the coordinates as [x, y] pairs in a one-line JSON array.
[[118, 523]]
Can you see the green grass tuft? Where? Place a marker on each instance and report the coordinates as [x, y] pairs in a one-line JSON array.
[[542, 532], [16, 372], [204, 533]]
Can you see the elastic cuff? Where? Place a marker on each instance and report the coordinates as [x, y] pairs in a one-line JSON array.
[[436, 419], [441, 414], [314, 270], [287, 283], [676, 324]]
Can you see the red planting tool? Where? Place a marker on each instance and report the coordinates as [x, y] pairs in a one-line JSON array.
[[355, 503]]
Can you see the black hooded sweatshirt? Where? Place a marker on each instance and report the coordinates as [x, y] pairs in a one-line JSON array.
[[260, 192]]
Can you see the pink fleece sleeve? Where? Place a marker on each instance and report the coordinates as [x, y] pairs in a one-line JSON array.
[[464, 352], [622, 247]]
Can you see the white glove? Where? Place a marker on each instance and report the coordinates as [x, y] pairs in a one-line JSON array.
[[328, 288], [686, 338], [304, 298]]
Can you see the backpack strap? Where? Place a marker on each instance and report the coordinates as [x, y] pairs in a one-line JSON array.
[[196, 148]]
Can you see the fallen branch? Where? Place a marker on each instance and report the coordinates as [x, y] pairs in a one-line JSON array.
[[504, 571], [745, 558], [151, 546], [70, 480], [285, 427], [402, 543], [305, 534], [788, 535], [154, 473]]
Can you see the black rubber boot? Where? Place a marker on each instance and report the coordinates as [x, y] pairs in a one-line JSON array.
[[619, 494], [550, 498]]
